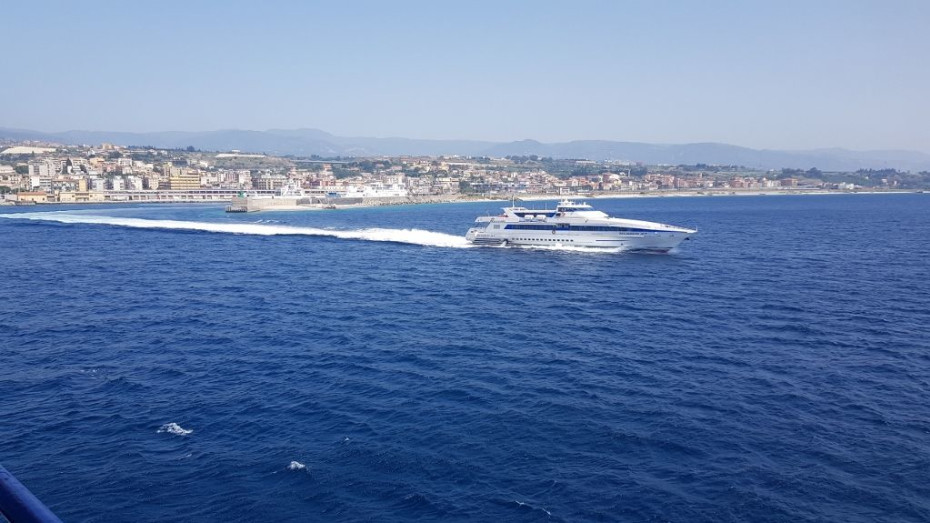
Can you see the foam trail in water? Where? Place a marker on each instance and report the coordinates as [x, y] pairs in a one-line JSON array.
[[531, 507], [296, 465], [263, 228], [174, 428], [411, 236]]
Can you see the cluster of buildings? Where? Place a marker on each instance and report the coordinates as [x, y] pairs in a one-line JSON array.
[[102, 174], [113, 173]]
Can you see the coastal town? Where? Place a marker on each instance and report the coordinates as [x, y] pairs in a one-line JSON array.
[[40, 173]]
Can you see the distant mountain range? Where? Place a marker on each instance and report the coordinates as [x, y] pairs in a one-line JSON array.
[[306, 142]]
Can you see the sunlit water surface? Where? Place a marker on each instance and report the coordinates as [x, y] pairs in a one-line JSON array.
[[180, 363]]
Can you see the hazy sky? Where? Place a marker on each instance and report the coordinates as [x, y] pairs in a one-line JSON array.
[[778, 74]]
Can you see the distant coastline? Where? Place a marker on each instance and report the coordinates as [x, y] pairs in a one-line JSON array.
[[284, 205], [727, 192]]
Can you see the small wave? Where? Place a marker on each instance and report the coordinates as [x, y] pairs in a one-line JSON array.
[[410, 236], [174, 428], [531, 507], [296, 465]]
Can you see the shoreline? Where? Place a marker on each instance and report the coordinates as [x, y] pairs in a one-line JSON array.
[[709, 193], [606, 196], [465, 199]]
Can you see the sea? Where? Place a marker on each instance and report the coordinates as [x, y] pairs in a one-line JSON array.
[[178, 363]]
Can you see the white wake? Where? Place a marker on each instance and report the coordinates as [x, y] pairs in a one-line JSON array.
[[269, 228], [410, 236]]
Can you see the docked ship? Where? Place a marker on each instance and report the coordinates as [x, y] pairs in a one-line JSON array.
[[574, 224]]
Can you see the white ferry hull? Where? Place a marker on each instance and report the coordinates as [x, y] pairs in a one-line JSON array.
[[575, 225], [640, 242]]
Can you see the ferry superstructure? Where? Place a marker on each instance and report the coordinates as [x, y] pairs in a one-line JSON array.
[[574, 224]]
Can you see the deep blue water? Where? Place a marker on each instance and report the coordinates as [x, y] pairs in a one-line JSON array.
[[776, 368]]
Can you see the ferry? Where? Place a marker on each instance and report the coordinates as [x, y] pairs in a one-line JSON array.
[[574, 224]]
